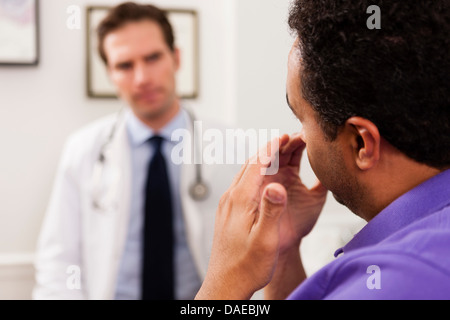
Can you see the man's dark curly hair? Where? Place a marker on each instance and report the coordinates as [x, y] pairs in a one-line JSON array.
[[397, 76]]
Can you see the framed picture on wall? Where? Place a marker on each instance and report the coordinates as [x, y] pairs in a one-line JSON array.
[[19, 32], [185, 25]]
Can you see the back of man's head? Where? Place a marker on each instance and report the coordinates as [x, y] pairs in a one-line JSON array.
[[397, 76]]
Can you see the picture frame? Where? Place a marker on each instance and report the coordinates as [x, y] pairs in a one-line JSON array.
[[185, 25], [19, 32]]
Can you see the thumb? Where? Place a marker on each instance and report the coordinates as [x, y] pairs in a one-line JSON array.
[[273, 203]]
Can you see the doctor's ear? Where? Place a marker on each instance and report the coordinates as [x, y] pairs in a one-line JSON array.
[[177, 57], [365, 142]]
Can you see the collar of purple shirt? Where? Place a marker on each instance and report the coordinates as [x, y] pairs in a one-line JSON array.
[[425, 199]]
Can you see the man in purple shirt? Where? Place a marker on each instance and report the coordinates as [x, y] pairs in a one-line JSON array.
[[375, 111], [403, 253]]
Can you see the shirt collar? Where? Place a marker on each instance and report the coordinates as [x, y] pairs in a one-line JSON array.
[[139, 132], [425, 199]]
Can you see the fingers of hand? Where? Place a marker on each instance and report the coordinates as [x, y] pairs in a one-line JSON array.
[[319, 188], [291, 153]]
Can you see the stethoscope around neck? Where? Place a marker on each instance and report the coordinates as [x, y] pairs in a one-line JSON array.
[[198, 190]]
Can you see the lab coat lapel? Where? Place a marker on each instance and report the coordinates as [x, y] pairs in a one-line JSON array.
[[115, 221], [192, 212], [192, 219]]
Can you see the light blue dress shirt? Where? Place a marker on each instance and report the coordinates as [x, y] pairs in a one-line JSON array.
[[187, 281]]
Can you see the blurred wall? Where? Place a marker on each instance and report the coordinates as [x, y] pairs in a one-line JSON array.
[[243, 56]]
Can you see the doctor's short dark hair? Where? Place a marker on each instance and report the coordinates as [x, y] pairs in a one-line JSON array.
[[127, 12], [397, 76]]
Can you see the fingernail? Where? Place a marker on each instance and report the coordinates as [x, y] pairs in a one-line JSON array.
[[274, 196]]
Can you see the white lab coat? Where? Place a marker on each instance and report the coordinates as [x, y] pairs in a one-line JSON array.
[[80, 244]]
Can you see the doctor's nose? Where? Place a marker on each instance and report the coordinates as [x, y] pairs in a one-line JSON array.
[[142, 75]]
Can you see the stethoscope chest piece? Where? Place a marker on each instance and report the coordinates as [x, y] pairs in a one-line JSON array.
[[199, 191]]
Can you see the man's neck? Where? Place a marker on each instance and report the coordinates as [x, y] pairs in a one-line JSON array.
[[399, 177]]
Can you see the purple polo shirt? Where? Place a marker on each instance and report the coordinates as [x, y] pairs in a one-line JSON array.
[[402, 253]]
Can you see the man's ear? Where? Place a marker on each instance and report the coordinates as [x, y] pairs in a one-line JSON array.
[[176, 55], [366, 142]]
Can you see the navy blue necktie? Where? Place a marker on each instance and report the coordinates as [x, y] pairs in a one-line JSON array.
[[158, 282]]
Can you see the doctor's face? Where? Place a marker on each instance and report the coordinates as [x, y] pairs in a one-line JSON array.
[[142, 67]]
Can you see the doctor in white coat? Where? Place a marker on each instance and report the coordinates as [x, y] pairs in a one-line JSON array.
[[90, 239]]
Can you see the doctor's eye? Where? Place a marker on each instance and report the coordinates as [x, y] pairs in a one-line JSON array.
[[124, 66], [153, 57]]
